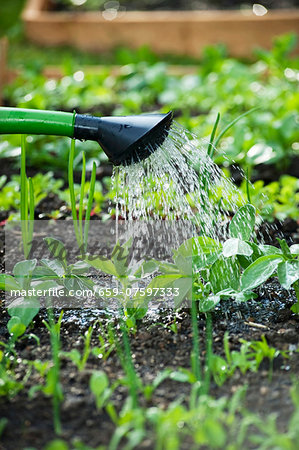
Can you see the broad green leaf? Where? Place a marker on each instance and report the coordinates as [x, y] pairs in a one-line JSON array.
[[163, 281], [24, 308], [101, 263], [23, 270], [235, 246], [42, 272], [184, 289], [146, 268], [245, 261], [270, 250], [55, 265], [45, 285], [284, 247], [57, 444], [79, 268], [57, 249], [120, 258], [198, 245], [244, 296], [7, 283], [259, 271], [295, 308], [209, 303], [224, 273], [199, 262], [294, 249], [288, 273], [184, 265], [168, 268], [98, 384], [16, 327], [242, 223]]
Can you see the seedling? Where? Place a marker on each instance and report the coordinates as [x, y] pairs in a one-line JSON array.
[[75, 356], [81, 232]]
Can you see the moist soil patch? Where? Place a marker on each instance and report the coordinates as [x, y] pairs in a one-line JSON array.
[[155, 346]]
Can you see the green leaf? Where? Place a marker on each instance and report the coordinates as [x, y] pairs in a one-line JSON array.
[[23, 270], [209, 303], [288, 273], [8, 283], [245, 261], [168, 268], [184, 265], [57, 444], [224, 273], [103, 264], [184, 286], [98, 384], [16, 327], [120, 256], [259, 271], [146, 268], [79, 268], [163, 281], [295, 308], [198, 245], [24, 308], [242, 223], [294, 249], [55, 265], [270, 250], [235, 246], [57, 249]]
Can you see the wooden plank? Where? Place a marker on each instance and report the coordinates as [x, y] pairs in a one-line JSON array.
[[180, 32]]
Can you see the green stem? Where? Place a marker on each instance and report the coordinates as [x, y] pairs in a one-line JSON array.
[[211, 146], [54, 330], [24, 197], [82, 198], [296, 289], [195, 354], [72, 190], [89, 204], [129, 366], [31, 212], [209, 352], [247, 185]]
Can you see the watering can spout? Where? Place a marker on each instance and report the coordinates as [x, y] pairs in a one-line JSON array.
[[125, 139]]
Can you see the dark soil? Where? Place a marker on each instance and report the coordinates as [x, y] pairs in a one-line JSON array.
[[154, 347], [160, 5]]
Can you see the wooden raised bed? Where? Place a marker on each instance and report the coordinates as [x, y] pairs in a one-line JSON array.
[[181, 32]]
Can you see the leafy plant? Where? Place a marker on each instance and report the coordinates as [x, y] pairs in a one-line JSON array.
[[133, 302]]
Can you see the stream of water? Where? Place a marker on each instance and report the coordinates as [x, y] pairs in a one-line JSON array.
[[177, 182]]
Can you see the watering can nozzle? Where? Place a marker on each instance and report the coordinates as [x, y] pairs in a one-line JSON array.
[[125, 139]]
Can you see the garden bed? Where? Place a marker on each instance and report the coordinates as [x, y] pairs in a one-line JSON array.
[[162, 340], [180, 32]]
